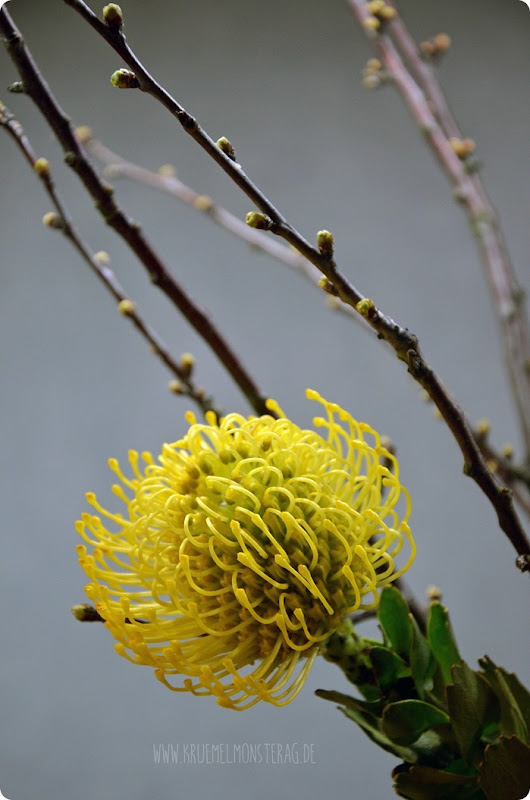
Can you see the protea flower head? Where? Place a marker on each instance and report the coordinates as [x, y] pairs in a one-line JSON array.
[[241, 549]]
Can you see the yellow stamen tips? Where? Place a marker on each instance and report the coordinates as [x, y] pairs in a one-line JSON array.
[[243, 547], [42, 167], [126, 307]]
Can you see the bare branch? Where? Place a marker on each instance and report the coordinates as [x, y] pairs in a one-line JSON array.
[[129, 230], [98, 264], [427, 103]]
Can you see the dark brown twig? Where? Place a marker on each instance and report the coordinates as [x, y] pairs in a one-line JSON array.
[[103, 271], [129, 230]]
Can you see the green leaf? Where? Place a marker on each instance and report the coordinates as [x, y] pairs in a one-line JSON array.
[[441, 640], [426, 783], [505, 772], [395, 620], [405, 721], [473, 706], [367, 717], [513, 704], [422, 662], [389, 668]]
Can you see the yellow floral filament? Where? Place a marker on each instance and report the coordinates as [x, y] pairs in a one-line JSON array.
[[242, 549]]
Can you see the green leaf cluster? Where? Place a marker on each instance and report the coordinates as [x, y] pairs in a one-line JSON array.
[[461, 734]]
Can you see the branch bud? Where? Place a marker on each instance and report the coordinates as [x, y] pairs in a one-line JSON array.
[[327, 286], [83, 133], [83, 612], [366, 308], [126, 307], [16, 88], [203, 203], [255, 219], [42, 167], [226, 146], [175, 387], [52, 220], [124, 79], [325, 244], [187, 362], [102, 258], [112, 14]]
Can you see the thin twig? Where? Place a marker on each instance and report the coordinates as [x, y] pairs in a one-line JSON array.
[[103, 271], [425, 99], [403, 342], [118, 167], [75, 156]]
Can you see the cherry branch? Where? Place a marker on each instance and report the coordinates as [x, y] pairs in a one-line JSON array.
[[400, 339], [118, 167], [36, 88], [99, 263], [426, 101]]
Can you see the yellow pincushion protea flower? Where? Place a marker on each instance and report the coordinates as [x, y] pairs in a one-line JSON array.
[[243, 548]]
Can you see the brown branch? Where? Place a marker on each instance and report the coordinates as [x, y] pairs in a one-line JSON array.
[[426, 101], [129, 230], [401, 340], [116, 166], [63, 222]]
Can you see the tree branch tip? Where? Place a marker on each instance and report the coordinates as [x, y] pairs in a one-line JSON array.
[[124, 79], [84, 612]]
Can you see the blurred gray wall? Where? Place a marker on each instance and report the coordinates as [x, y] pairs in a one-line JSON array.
[[282, 80]]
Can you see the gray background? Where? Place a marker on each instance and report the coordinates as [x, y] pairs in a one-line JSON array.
[[282, 81]]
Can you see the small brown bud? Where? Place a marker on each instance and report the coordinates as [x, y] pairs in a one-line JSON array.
[[175, 387], [187, 362]]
